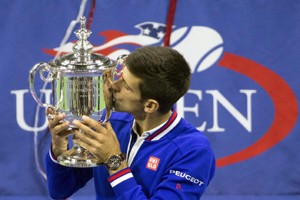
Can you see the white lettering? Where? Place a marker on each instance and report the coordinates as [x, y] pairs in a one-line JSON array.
[[187, 177], [20, 110], [196, 181], [218, 99], [152, 165], [246, 122]]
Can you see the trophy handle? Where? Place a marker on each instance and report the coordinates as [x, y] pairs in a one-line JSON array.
[[42, 67]]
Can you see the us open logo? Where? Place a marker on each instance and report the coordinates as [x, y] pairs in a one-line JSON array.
[[223, 90]]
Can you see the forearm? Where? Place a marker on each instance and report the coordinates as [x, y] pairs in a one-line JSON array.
[[64, 181]]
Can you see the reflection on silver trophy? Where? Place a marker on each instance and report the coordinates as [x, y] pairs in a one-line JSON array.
[[78, 85]]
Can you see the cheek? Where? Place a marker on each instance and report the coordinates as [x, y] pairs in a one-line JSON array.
[[132, 101]]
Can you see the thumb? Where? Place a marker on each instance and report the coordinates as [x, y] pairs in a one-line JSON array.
[[108, 126]]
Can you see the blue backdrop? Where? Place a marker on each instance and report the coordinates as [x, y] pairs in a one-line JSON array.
[[244, 56]]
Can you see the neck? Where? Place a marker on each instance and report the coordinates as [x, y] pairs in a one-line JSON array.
[[151, 121]]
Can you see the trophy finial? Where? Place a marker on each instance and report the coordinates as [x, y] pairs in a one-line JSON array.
[[82, 22], [82, 48]]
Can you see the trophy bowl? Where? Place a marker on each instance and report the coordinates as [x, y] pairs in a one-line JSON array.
[[77, 89]]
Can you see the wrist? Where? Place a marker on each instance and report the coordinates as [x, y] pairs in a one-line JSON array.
[[57, 150], [115, 163], [123, 165]]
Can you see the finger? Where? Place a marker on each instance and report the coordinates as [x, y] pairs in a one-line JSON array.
[[89, 148], [62, 129], [66, 132], [49, 111], [87, 128], [50, 114], [108, 73], [82, 144], [110, 81], [56, 120], [80, 136], [93, 124], [108, 126]]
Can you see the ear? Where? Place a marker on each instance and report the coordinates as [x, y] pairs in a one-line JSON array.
[[151, 106]]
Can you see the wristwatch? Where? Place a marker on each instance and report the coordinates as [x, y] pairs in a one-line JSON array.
[[114, 161]]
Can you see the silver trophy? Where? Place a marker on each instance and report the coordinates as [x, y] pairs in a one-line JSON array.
[[78, 88]]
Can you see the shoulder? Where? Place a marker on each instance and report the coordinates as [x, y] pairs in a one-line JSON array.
[[120, 120], [121, 117], [187, 132], [187, 138], [192, 155], [192, 144]]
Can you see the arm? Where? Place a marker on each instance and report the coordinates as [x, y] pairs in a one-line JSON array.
[[187, 178], [62, 181]]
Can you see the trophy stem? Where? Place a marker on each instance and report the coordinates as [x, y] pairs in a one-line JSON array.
[[78, 157]]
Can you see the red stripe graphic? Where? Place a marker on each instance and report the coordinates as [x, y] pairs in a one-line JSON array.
[[119, 174], [170, 121], [285, 106]]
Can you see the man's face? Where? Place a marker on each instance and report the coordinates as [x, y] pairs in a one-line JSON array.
[[126, 94]]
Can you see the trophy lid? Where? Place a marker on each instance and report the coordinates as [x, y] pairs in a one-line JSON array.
[[82, 59]]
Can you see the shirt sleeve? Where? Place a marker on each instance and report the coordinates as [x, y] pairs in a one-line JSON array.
[[64, 181], [186, 177]]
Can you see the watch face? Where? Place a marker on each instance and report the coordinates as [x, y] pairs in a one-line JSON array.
[[114, 162]]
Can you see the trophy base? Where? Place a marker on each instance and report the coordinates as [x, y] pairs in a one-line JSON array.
[[78, 157]]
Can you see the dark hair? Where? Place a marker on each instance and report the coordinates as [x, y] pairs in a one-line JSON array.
[[164, 73]]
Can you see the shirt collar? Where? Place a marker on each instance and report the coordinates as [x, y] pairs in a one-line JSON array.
[[159, 131]]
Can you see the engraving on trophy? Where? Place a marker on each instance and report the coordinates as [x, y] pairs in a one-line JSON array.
[[78, 96]]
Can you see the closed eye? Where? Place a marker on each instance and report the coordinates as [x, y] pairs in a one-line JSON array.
[[127, 87]]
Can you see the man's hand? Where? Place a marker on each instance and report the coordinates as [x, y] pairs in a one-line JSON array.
[[59, 132], [99, 139]]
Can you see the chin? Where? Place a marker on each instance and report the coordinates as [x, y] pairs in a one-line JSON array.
[[119, 109], [116, 107]]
